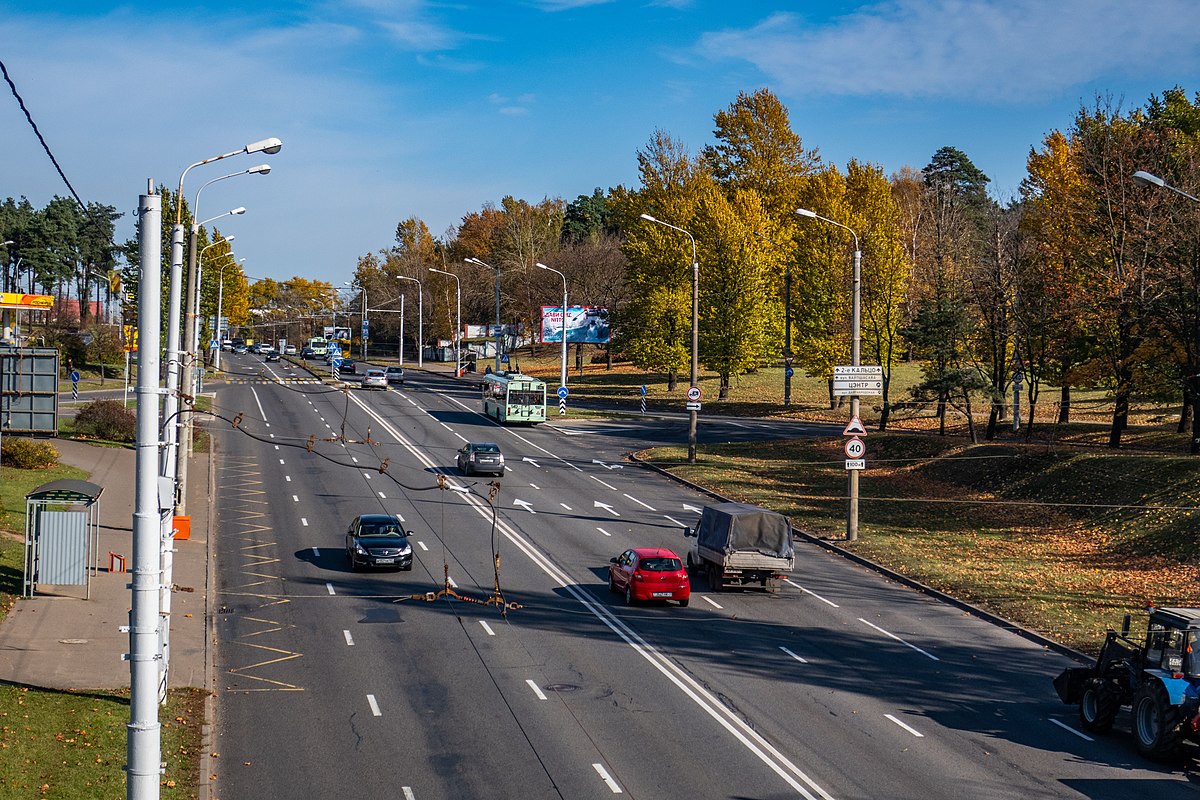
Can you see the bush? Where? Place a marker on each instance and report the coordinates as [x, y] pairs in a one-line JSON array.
[[107, 419], [22, 453]]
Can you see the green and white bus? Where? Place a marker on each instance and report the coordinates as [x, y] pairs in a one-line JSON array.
[[513, 397]]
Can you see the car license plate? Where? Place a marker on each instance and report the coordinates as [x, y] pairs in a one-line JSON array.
[[385, 561], [662, 594]]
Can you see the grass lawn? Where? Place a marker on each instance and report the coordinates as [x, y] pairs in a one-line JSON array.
[[73, 745]]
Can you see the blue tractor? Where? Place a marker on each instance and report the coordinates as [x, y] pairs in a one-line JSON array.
[[1158, 679]]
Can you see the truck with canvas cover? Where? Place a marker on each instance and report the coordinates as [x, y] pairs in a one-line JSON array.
[[737, 544]]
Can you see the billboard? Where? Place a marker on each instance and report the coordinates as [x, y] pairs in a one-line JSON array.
[[336, 334], [585, 324]]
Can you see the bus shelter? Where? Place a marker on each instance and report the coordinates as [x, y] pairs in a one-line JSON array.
[[62, 541]]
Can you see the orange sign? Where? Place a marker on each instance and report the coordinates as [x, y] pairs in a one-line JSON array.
[[14, 300]]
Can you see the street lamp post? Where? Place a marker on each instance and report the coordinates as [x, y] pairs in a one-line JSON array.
[[220, 302], [457, 320], [499, 338], [364, 330], [420, 321], [562, 374], [695, 377], [855, 360], [195, 312]]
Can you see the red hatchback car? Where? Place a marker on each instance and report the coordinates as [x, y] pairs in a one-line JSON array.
[[649, 573]]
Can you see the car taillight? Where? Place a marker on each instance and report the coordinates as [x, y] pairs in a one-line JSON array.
[[637, 576]]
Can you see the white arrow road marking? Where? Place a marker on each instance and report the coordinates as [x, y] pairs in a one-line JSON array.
[[687, 507], [531, 461], [536, 690], [898, 639], [639, 502], [606, 507], [908, 728], [607, 466], [374, 706], [607, 778], [1066, 727], [793, 655], [525, 504]]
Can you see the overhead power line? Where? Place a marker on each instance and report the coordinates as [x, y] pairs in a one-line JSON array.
[[21, 102]]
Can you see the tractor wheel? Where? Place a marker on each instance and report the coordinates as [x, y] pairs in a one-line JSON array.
[[1156, 728], [1098, 707]]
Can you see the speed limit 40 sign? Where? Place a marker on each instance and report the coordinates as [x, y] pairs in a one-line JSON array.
[[855, 448]]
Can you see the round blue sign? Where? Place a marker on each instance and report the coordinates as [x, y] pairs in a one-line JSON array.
[[74, 376], [562, 391], [789, 372]]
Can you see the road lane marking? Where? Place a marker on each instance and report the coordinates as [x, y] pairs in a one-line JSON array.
[[564, 505], [316, 552], [607, 778], [367, 475], [606, 533], [536, 690], [374, 706], [672, 519], [295, 499], [602, 483], [906, 727], [287, 478], [259, 404], [451, 582], [793, 655], [355, 460], [349, 638], [809, 591], [898, 639], [281, 461], [304, 522], [277, 447], [1066, 727], [710, 601], [329, 587], [487, 627], [422, 546], [384, 496], [639, 502], [408, 793]]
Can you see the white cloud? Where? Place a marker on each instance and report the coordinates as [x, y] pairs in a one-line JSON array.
[[967, 49], [567, 5], [512, 107]]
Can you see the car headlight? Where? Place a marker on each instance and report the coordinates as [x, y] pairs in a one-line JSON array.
[[406, 549], [358, 548]]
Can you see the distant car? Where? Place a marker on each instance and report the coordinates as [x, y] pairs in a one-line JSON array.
[[227, 344], [649, 573], [347, 366], [271, 355], [477, 457], [307, 352], [378, 540], [289, 350], [374, 379], [395, 375], [239, 348]]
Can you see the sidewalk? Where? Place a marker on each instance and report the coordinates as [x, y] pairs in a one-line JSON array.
[[60, 640]]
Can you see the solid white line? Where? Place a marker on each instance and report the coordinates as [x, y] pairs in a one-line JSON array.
[[606, 533], [256, 400], [422, 546], [536, 690], [487, 627], [374, 706], [908, 728], [898, 639], [793, 655], [602, 483], [317, 552], [349, 638], [607, 778], [639, 502], [447, 427], [710, 601], [329, 587], [295, 498], [1066, 727], [809, 591], [672, 519], [304, 522]]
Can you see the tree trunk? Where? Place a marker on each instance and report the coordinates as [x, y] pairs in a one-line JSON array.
[[887, 406], [672, 381], [1185, 412], [941, 413], [993, 419], [724, 393], [970, 419], [832, 399], [1064, 405], [1120, 418]]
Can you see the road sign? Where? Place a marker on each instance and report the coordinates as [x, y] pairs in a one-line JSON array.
[[855, 427], [856, 463], [789, 372], [504, 358], [366, 329], [694, 393], [860, 380], [643, 390], [693, 405], [74, 376], [562, 392], [855, 448]]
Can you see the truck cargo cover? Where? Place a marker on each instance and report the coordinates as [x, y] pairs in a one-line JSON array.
[[730, 527]]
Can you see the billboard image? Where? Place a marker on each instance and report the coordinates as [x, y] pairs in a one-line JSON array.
[[585, 324]]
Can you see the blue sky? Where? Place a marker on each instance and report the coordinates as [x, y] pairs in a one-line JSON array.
[[397, 108]]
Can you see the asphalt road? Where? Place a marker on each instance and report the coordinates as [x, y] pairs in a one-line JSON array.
[[523, 677]]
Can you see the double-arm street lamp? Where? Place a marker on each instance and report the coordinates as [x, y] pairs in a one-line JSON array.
[[457, 320], [365, 327], [499, 338], [562, 374], [695, 377], [855, 360], [420, 323], [199, 277], [220, 303]]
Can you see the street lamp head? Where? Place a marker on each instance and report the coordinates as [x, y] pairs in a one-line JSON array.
[[238, 210], [1143, 178], [540, 265], [269, 146], [228, 238], [261, 169], [6, 243], [648, 217], [804, 212]]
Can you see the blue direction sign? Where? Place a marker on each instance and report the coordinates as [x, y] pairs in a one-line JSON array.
[[562, 392], [74, 376], [643, 390], [789, 372]]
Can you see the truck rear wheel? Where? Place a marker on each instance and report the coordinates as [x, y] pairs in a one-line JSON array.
[[1155, 722], [1098, 707]]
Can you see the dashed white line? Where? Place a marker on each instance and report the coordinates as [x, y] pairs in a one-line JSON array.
[[535, 486], [355, 460], [906, 727], [276, 447], [374, 706], [564, 505], [536, 690], [1066, 727], [295, 499], [639, 502], [669, 518], [316, 552], [809, 591], [304, 522], [280, 460], [384, 496], [898, 639], [793, 655], [607, 778], [711, 602], [367, 475], [329, 588], [602, 483], [487, 627], [422, 546], [408, 793], [287, 478], [349, 638], [606, 533]]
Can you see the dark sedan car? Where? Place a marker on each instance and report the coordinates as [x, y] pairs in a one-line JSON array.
[[271, 355], [478, 457], [378, 540]]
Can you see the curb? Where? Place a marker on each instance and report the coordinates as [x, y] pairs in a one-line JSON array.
[[974, 610], [204, 785]]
